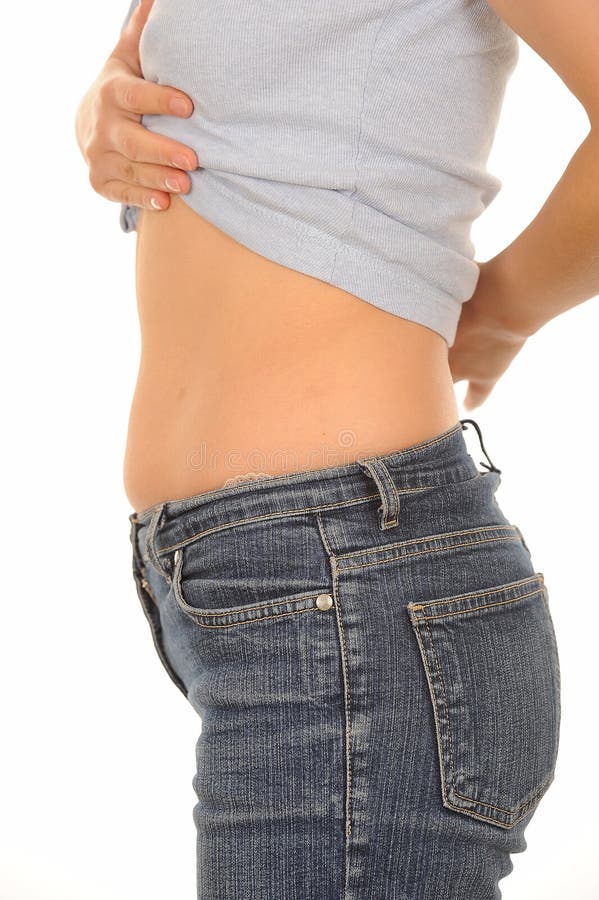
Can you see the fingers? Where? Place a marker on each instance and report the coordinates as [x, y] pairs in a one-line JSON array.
[[138, 183], [139, 97], [147, 179], [140, 145], [124, 192]]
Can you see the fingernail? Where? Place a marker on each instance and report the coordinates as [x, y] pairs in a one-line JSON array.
[[172, 184], [182, 162], [155, 203], [179, 106]]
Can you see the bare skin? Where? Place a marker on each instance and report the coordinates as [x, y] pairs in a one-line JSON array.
[[248, 366]]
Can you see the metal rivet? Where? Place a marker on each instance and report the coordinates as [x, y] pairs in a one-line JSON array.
[[324, 601]]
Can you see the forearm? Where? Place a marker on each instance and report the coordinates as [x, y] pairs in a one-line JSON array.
[[553, 264], [132, 6]]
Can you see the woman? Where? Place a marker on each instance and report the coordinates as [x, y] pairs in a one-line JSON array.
[[327, 574]]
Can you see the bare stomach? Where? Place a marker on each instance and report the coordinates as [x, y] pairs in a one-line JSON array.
[[250, 367]]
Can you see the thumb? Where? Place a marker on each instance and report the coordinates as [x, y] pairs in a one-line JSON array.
[[475, 395], [127, 47]]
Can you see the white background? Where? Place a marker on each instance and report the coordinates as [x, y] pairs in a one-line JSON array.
[[97, 753]]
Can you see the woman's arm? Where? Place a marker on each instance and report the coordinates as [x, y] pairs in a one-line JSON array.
[[553, 264], [134, 3]]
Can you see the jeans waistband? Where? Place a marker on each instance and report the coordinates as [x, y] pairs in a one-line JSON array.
[[439, 460]]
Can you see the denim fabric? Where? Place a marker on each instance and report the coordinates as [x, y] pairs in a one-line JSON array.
[[371, 651]]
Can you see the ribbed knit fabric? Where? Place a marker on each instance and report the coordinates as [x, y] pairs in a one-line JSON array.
[[347, 140]]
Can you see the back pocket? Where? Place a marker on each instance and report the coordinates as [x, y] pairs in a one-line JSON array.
[[492, 667]]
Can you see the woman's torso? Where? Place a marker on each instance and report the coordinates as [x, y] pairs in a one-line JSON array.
[[249, 366]]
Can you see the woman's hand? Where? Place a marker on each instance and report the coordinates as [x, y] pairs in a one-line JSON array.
[[127, 162], [486, 342]]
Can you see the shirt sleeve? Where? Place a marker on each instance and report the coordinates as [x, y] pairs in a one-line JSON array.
[[128, 214]]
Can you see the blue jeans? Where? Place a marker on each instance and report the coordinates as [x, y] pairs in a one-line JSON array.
[[371, 651]]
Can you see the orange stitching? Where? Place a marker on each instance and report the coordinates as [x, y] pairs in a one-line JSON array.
[[185, 606], [428, 537], [538, 576], [477, 815], [278, 515], [508, 812], [434, 704], [345, 671], [475, 608], [243, 609], [293, 612], [346, 690], [143, 514], [421, 552], [432, 643], [340, 505]]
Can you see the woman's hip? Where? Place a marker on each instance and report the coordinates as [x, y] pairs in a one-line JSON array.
[[372, 655]]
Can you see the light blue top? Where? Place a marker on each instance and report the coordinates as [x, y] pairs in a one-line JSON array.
[[347, 140]]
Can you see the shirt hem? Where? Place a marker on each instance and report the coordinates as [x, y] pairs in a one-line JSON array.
[[388, 285]]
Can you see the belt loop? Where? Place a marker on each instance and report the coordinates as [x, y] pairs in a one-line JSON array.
[[150, 542], [389, 508], [492, 467]]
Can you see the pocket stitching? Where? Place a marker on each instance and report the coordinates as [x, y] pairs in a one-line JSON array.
[[509, 812], [196, 617], [473, 608], [341, 504], [196, 614], [446, 546], [478, 529], [416, 620]]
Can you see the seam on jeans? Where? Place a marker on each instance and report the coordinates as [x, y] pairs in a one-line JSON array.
[[346, 686], [436, 439], [502, 588], [347, 697], [477, 815], [479, 529], [196, 617], [197, 614], [285, 512], [379, 562], [509, 812], [475, 608], [243, 609], [323, 534], [143, 514]]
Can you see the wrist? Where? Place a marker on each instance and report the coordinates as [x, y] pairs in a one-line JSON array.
[[500, 302]]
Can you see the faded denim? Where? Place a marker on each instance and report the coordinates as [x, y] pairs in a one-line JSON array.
[[372, 654]]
